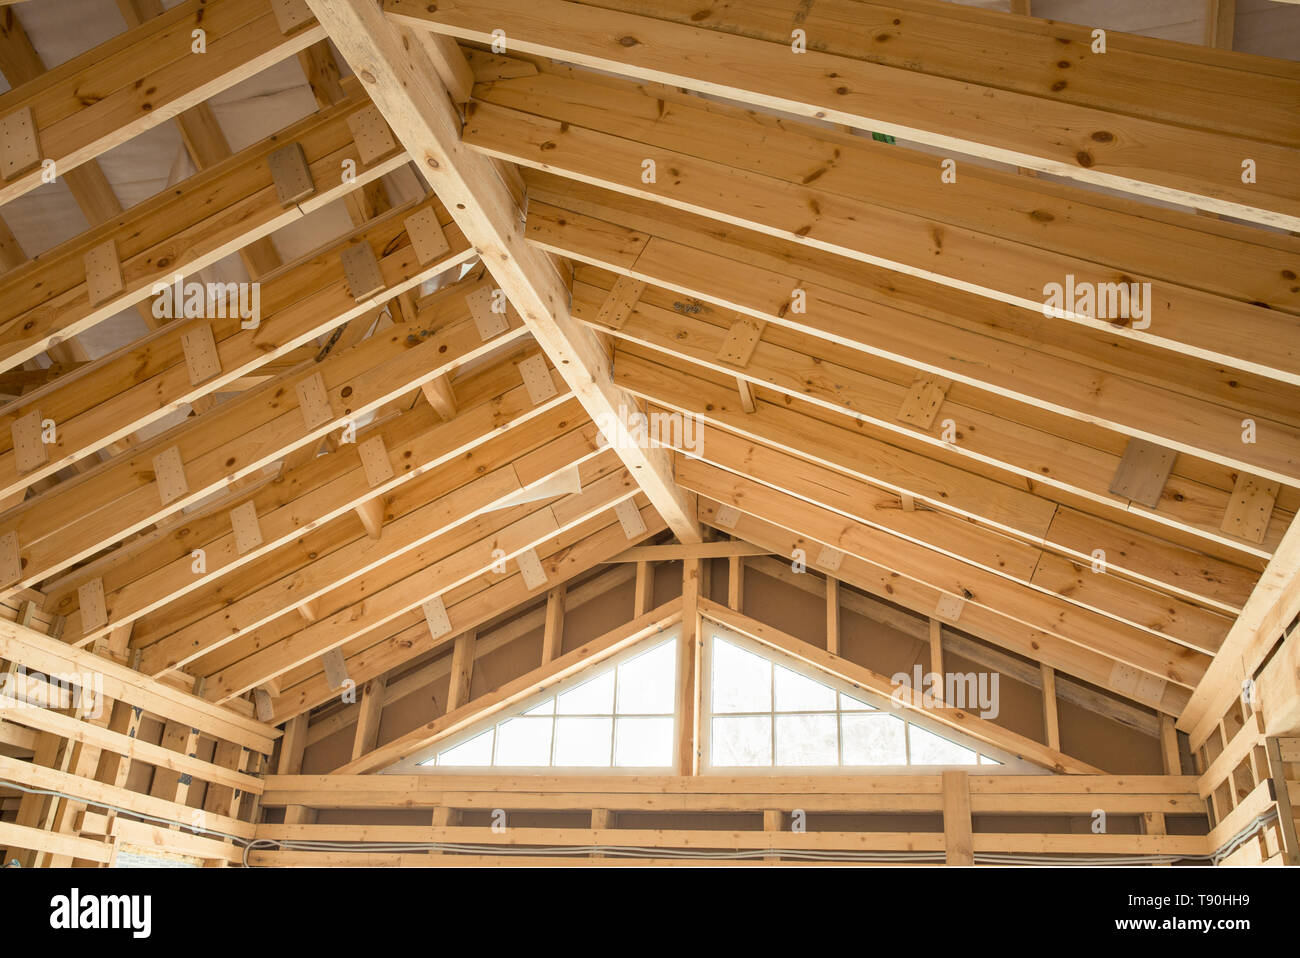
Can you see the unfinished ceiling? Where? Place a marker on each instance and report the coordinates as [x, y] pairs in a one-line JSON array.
[[350, 345]]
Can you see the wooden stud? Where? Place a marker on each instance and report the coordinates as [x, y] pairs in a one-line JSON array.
[[924, 397], [537, 378], [629, 516], [371, 134], [426, 236], [336, 669], [741, 341], [94, 610], [244, 525], [11, 565], [362, 272], [435, 614], [291, 174], [936, 646], [29, 449], [832, 613], [643, 587], [949, 607], [1051, 721], [368, 717], [530, 567], [201, 357], [290, 14], [1250, 507], [620, 302], [313, 401], [1142, 472], [489, 322], [169, 473], [462, 670], [103, 273], [957, 839], [374, 460], [906, 502], [1169, 751], [553, 630], [20, 144]]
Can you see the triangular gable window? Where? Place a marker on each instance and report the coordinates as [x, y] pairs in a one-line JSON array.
[[762, 713], [617, 716]]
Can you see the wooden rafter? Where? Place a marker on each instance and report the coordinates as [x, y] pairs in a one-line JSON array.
[[404, 85], [1151, 157]]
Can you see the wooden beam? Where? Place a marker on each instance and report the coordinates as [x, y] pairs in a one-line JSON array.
[[462, 671], [1051, 724], [1158, 657], [674, 552], [958, 844], [882, 99], [1270, 610], [689, 679], [992, 627], [56, 529], [368, 716], [396, 69], [1013, 270], [891, 335], [242, 39], [553, 630], [472, 605]]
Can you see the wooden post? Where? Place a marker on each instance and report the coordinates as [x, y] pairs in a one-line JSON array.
[[688, 665], [736, 582], [462, 670], [957, 839], [1051, 722], [553, 633], [832, 615]]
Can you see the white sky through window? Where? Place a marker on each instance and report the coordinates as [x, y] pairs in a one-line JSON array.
[[760, 713], [619, 716], [764, 714]]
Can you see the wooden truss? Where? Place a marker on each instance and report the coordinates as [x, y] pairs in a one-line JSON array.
[[629, 288]]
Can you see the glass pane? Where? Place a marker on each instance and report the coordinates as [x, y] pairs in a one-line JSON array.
[[807, 739], [798, 693], [873, 739], [643, 742], [646, 684], [594, 697], [849, 704], [476, 751], [985, 760], [742, 681], [930, 749], [546, 708], [583, 741], [741, 740], [524, 741]]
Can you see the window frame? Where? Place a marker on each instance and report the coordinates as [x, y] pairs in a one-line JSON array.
[[413, 764], [712, 629]]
